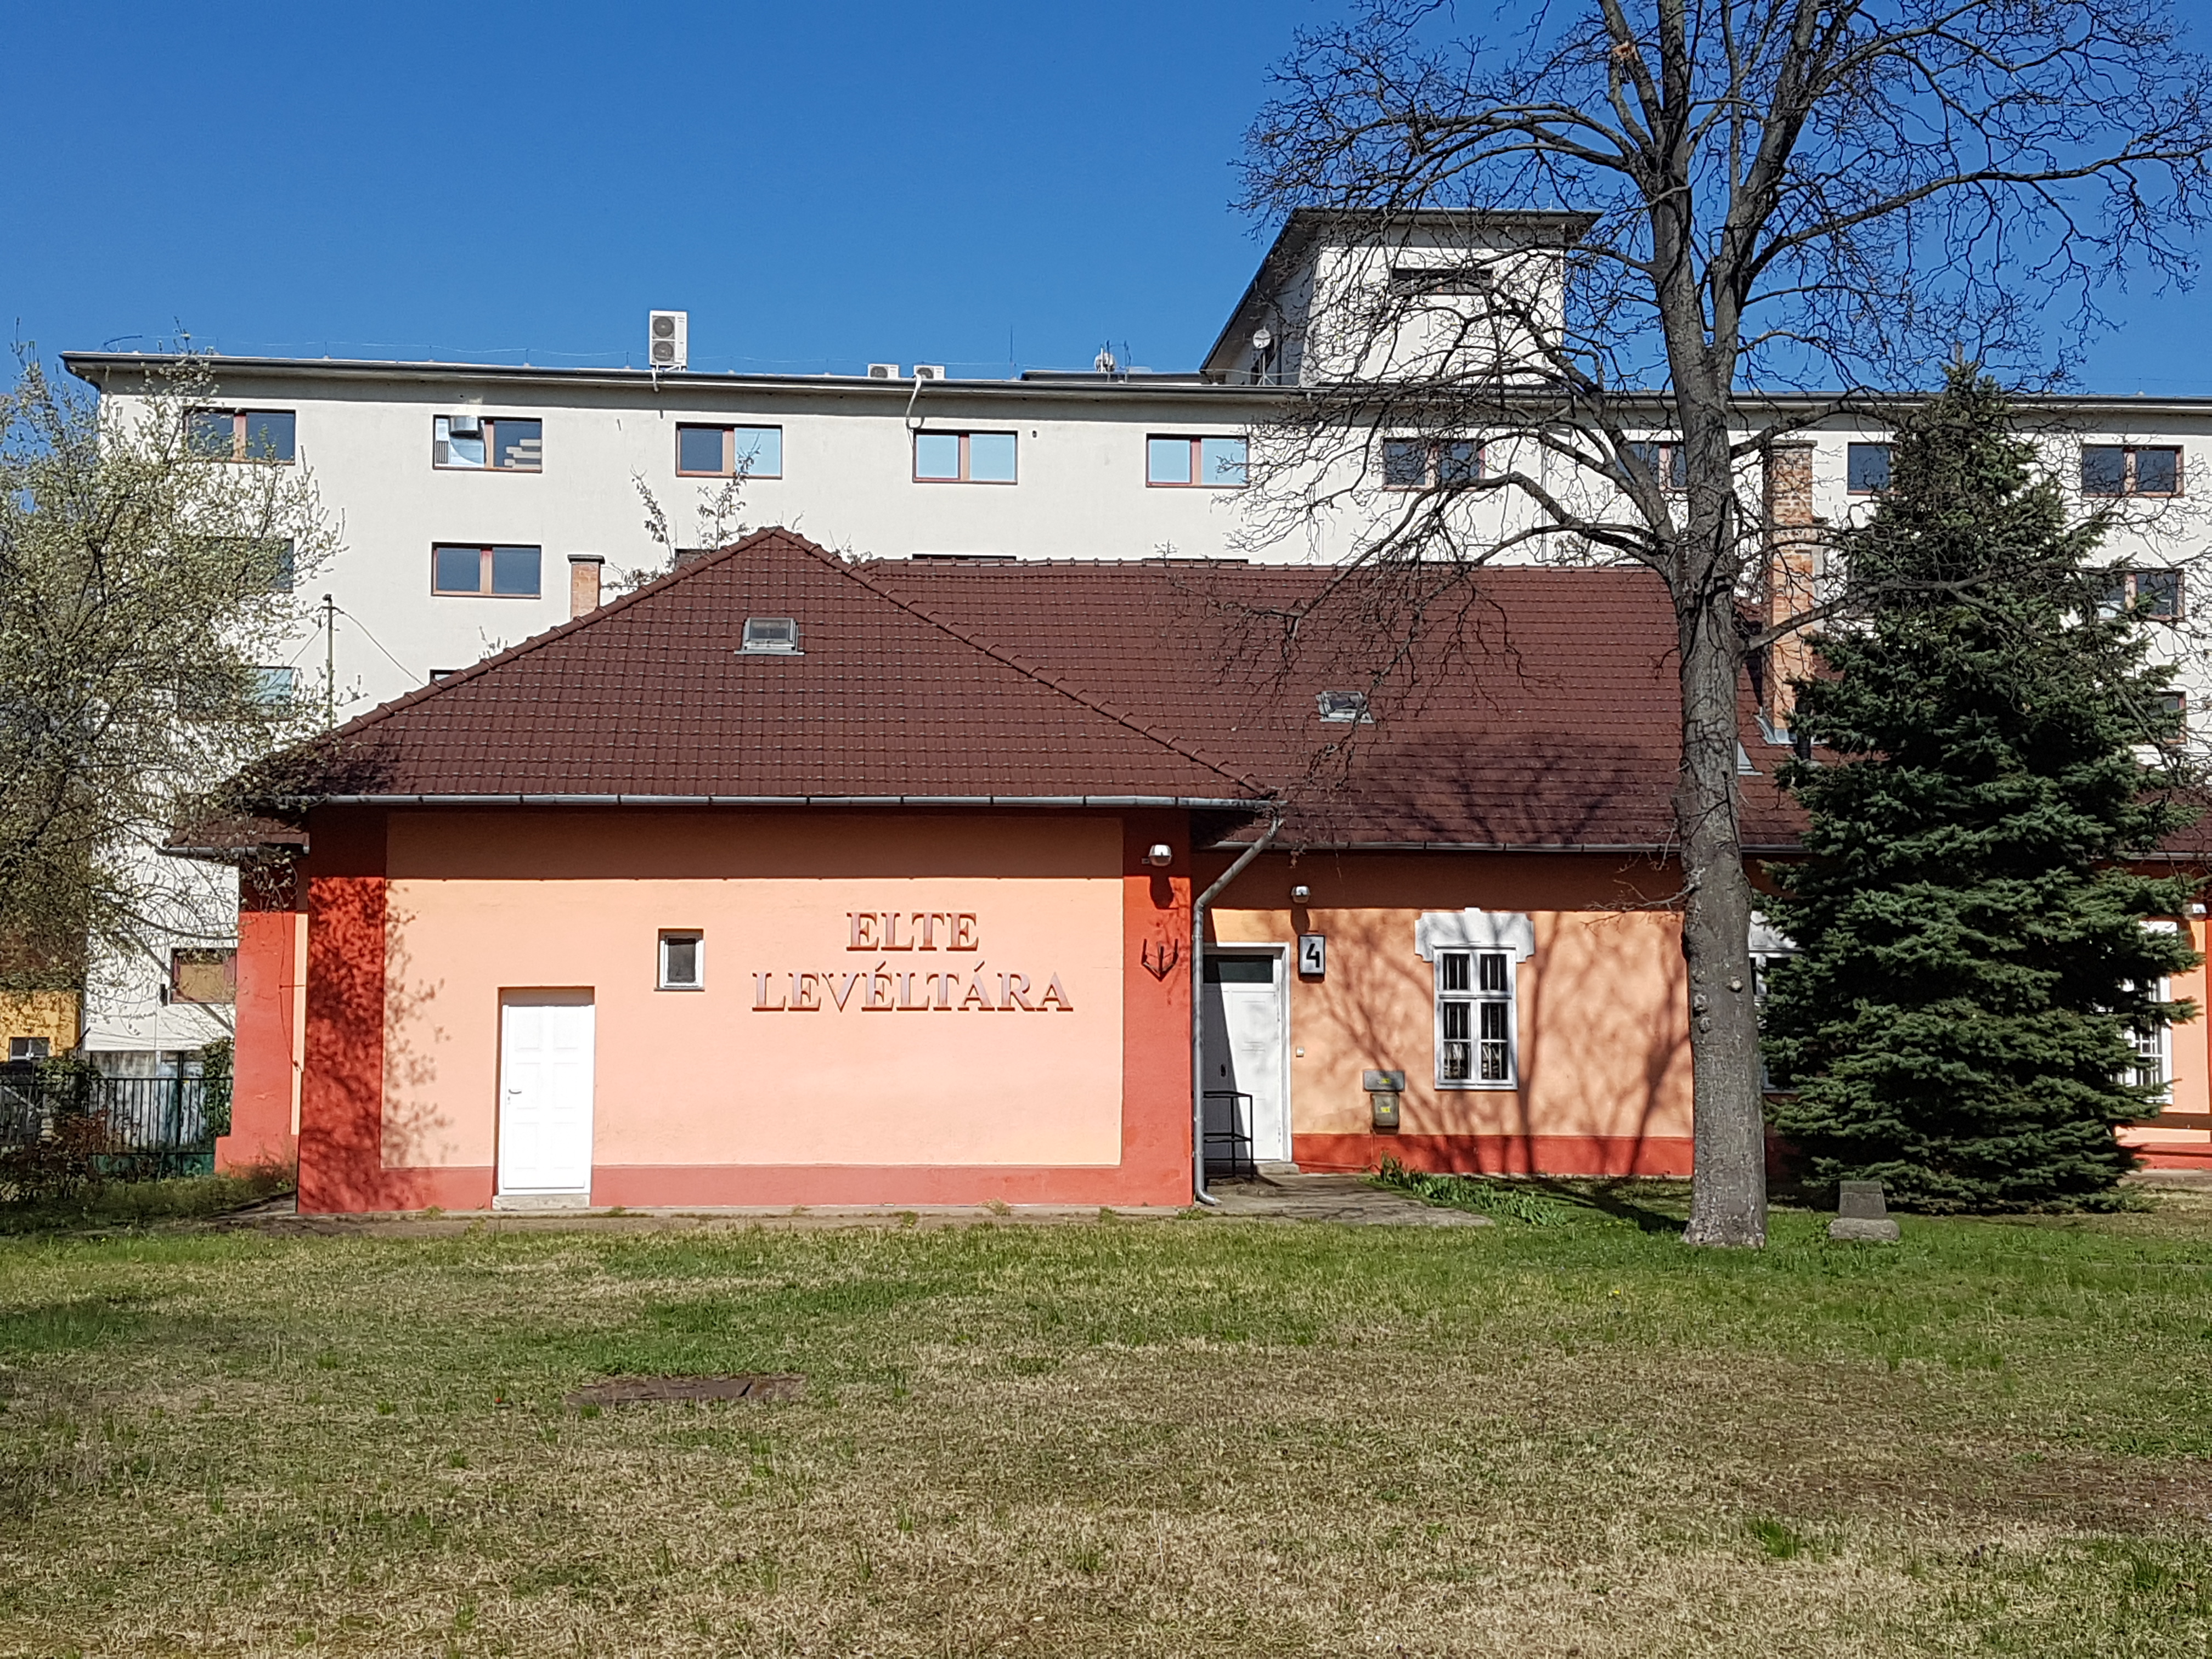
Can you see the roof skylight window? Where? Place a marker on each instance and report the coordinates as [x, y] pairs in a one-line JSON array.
[[1344, 708], [770, 636]]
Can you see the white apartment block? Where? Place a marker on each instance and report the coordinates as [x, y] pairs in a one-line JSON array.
[[478, 505]]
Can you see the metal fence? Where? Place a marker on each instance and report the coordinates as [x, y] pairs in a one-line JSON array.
[[133, 1128]]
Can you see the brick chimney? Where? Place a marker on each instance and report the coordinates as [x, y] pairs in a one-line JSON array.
[[584, 583], [1793, 563]]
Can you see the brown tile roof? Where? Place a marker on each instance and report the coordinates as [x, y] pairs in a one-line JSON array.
[[650, 697], [1528, 706]]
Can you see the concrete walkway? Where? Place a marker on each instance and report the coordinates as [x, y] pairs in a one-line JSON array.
[[1344, 1198], [1276, 1196]]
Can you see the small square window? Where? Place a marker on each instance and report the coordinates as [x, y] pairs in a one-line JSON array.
[[204, 975], [508, 573], [274, 686], [1168, 460], [991, 457], [1866, 468], [1344, 708], [937, 456], [1667, 459], [515, 572], [683, 961], [30, 1047], [1404, 463], [2157, 594], [771, 636]]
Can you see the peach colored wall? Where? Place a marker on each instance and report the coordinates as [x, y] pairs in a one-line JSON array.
[[481, 902], [2191, 1048], [1604, 1048]]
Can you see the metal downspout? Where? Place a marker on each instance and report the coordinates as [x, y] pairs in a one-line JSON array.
[[1198, 1006]]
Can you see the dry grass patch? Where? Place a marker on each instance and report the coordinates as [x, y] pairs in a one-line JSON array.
[[1173, 1438]]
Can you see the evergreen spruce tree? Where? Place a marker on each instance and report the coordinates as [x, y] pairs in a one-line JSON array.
[[1974, 958]]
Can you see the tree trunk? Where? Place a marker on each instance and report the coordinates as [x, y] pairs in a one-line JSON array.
[[1728, 1203]]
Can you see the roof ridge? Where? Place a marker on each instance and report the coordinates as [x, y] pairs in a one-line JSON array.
[[560, 631], [1043, 677]]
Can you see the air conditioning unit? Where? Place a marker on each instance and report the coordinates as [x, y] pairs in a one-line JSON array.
[[668, 339], [883, 371], [929, 371]]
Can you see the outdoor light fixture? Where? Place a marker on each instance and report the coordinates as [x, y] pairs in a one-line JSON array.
[[1301, 893], [1160, 854]]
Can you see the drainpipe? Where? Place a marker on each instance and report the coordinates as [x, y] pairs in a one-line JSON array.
[[1198, 1004]]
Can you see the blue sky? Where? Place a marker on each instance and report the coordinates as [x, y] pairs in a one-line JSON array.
[[978, 184]]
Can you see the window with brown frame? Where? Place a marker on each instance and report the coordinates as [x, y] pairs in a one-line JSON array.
[[500, 572], [963, 458], [2174, 705], [1430, 463], [2131, 470], [729, 452], [1668, 460], [2155, 595], [1866, 468], [242, 435], [1181, 462], [203, 975], [487, 443]]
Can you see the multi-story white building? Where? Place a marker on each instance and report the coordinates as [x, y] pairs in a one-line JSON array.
[[478, 505]]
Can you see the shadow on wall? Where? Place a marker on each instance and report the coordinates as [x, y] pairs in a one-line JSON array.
[[354, 1155], [417, 1132], [1604, 1084]]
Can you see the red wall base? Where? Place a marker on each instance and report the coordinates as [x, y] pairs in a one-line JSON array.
[[660, 1186], [459, 1188], [1558, 1155], [643, 1185], [2175, 1157]]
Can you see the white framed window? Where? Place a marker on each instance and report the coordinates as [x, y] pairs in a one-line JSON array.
[[963, 458], [683, 959], [1475, 957], [1475, 1019], [2154, 1049]]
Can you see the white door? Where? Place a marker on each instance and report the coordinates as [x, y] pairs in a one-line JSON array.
[[1244, 1022], [546, 1091]]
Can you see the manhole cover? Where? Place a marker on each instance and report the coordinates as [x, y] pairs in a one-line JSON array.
[[634, 1390]]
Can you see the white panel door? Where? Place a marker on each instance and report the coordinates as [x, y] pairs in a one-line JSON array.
[[545, 1092], [1243, 1053]]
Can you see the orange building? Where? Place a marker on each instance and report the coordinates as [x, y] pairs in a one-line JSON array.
[[792, 880]]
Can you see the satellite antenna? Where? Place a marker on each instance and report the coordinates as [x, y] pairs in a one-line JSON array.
[[1103, 362]]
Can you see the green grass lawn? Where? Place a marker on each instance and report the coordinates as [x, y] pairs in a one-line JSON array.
[[1569, 1435]]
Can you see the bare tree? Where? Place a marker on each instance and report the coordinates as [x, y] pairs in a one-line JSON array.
[[147, 611], [1683, 216]]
